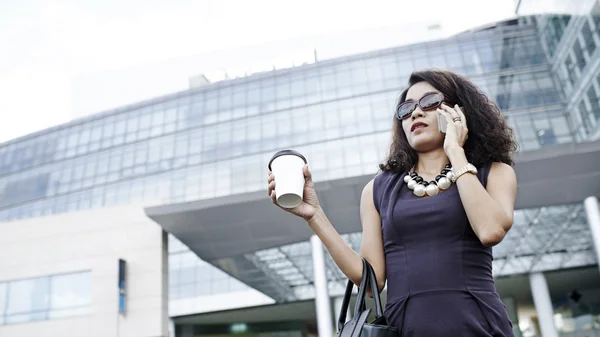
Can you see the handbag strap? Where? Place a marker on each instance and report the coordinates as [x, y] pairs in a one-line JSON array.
[[372, 281], [345, 304], [375, 291], [368, 277], [359, 306]]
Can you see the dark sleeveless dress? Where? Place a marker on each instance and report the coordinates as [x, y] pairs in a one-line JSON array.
[[439, 275]]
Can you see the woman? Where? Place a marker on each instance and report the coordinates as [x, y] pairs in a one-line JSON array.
[[432, 241]]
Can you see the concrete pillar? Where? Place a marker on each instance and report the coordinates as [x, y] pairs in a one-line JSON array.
[[322, 302], [543, 304], [513, 314], [337, 308], [171, 328], [592, 212]]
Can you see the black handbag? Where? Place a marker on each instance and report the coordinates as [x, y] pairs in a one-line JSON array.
[[358, 326]]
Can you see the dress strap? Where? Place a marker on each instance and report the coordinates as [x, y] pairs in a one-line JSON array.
[[483, 171]]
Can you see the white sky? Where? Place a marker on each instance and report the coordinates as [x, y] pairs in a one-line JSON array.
[[66, 58]]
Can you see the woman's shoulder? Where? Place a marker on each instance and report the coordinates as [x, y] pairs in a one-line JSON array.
[[378, 182], [382, 185], [495, 166], [502, 170], [383, 178], [495, 169]]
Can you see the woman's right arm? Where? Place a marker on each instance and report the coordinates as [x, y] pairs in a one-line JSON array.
[[349, 262]]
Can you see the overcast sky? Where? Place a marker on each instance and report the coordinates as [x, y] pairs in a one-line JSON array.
[[67, 58]]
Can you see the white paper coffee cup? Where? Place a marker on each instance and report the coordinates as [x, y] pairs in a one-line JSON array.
[[287, 166]]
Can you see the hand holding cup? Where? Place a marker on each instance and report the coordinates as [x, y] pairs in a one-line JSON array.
[[295, 190]]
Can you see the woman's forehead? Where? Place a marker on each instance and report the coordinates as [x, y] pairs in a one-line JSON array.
[[419, 89]]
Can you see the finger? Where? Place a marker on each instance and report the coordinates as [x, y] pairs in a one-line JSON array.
[[461, 114], [446, 115], [454, 117], [274, 197], [451, 111], [271, 178], [271, 187], [307, 173]]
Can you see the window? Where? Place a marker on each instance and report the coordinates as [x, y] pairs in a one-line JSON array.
[[546, 137], [268, 95], [554, 31], [570, 69], [579, 57], [595, 14], [145, 121], [70, 295], [594, 113], [588, 38], [45, 298], [27, 300]]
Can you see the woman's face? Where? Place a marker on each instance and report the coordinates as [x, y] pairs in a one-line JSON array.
[[421, 128]]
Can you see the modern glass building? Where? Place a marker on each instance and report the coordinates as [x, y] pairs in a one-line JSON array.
[[569, 32], [214, 141]]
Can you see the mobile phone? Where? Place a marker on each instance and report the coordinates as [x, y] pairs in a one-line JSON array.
[[442, 124]]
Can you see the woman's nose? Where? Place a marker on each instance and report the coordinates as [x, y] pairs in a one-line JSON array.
[[417, 113]]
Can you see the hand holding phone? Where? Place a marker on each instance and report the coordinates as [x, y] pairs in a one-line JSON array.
[[442, 124]]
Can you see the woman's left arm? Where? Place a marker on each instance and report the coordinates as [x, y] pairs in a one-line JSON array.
[[490, 210]]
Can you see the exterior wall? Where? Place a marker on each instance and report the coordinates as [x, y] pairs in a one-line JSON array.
[[92, 241]]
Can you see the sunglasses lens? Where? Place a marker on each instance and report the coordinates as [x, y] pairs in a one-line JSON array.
[[405, 109], [431, 101]]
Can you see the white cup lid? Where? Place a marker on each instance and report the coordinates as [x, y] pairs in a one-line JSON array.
[[285, 153]]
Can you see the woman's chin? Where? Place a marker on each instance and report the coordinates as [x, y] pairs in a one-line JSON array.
[[422, 144]]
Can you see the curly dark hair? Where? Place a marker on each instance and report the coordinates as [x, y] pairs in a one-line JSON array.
[[490, 138]]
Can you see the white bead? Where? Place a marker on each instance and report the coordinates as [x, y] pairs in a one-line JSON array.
[[411, 184], [432, 189], [406, 178], [419, 190], [444, 183], [450, 175]]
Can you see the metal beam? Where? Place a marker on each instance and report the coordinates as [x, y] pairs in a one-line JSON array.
[[592, 211]]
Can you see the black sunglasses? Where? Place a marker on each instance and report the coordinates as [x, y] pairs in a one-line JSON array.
[[429, 101]]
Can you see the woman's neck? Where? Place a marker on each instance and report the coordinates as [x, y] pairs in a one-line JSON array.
[[432, 162]]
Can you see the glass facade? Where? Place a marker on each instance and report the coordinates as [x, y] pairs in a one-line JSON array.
[[191, 277], [45, 298], [570, 39], [216, 140]]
